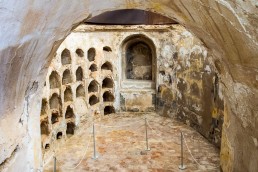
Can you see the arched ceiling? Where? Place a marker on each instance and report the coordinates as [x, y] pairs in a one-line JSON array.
[[31, 30]]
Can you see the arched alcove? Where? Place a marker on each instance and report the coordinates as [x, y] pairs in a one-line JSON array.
[[91, 54], [109, 110], [93, 86], [79, 74], [70, 128], [107, 49], [107, 83], [44, 128], [79, 52], [47, 146], [107, 66], [54, 101], [69, 112], [44, 107], [67, 77], [54, 80], [59, 135], [80, 91], [139, 58], [66, 57], [108, 97], [93, 68], [93, 100], [54, 117], [68, 95]]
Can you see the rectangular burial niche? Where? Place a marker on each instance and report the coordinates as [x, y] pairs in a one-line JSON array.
[[93, 86], [107, 66], [79, 52], [80, 92], [109, 110], [54, 80], [107, 83], [70, 127], [55, 101], [79, 74], [91, 54], [69, 112], [59, 135], [93, 68], [108, 97], [67, 77], [54, 117], [139, 61], [44, 128], [44, 107], [107, 49], [66, 57], [93, 100], [68, 95]]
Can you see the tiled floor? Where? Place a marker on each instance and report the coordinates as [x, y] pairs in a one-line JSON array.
[[120, 142]]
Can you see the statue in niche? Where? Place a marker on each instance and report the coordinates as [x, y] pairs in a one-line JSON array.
[[139, 62]]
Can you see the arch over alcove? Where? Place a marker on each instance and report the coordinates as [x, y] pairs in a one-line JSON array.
[[54, 80], [107, 83], [67, 77], [80, 91], [69, 113], [79, 52], [108, 97], [93, 86], [66, 57], [68, 94], [91, 54], [139, 58], [107, 66], [79, 74], [109, 110], [93, 100], [93, 68]]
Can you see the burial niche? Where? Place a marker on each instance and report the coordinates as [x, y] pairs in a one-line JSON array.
[[107, 49], [44, 107], [66, 57], [79, 52], [70, 127], [44, 128], [107, 66], [69, 112], [67, 78], [55, 101], [80, 92], [108, 97], [54, 80], [93, 86], [139, 61], [93, 68], [79, 74], [109, 110], [68, 95], [59, 135], [93, 100], [107, 83], [54, 117], [91, 54]]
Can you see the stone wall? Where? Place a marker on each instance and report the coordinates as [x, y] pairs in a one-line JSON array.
[[32, 31], [87, 74]]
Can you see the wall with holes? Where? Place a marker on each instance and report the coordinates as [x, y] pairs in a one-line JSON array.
[[103, 70]]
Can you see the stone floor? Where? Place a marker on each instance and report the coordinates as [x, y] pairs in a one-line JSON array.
[[120, 142]]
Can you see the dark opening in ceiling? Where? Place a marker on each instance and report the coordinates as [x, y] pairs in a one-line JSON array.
[[130, 17]]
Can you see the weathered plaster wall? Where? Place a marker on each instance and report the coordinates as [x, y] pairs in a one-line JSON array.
[[187, 88], [29, 31]]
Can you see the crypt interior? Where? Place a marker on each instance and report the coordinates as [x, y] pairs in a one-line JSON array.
[[129, 86]]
